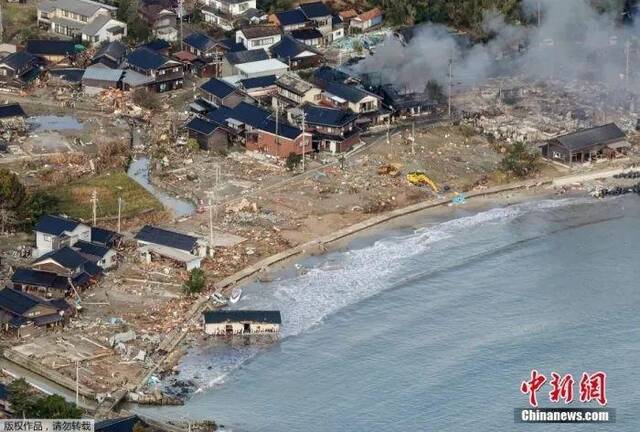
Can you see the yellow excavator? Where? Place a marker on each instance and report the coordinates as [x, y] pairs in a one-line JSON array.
[[419, 178]]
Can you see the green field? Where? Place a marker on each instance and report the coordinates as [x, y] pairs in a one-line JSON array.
[[75, 197]]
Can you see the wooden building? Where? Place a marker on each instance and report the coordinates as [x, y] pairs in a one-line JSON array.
[[587, 145], [240, 322]]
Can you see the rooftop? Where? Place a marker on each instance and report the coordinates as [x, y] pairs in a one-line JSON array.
[[201, 126], [151, 234], [27, 276], [101, 74], [254, 32], [262, 66], [315, 10], [146, 59], [115, 50], [350, 93], [599, 135], [247, 56], [81, 7], [306, 34], [55, 225], [90, 248], [18, 60], [17, 302], [265, 317], [291, 17], [218, 88], [294, 84], [288, 47], [65, 256], [199, 41], [259, 82], [11, 110], [51, 47], [332, 117]]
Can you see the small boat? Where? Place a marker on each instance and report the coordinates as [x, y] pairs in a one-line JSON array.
[[218, 299], [236, 293]]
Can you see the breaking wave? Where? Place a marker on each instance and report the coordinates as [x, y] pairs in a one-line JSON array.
[[339, 280]]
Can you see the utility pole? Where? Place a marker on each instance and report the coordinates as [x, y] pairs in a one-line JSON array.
[[413, 138], [450, 84], [119, 212], [1, 28], [181, 7], [277, 128], [94, 202], [539, 14], [304, 138], [627, 51], [77, 382]]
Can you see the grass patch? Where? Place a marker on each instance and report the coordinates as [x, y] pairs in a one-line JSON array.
[[75, 197]]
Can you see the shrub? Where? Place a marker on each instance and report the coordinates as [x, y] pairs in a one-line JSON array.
[[293, 160], [520, 161], [195, 283]]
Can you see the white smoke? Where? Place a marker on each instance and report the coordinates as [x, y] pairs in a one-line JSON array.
[[573, 41]]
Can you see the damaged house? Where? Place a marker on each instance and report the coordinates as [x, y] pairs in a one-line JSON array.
[[229, 14], [110, 55], [233, 59], [209, 54], [334, 130], [183, 248], [587, 145], [405, 103], [296, 54], [18, 70], [258, 37], [241, 322], [293, 91], [160, 16], [23, 315], [208, 134], [220, 93], [70, 263], [163, 74], [348, 97]]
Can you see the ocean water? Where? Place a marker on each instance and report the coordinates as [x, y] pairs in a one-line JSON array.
[[434, 329]]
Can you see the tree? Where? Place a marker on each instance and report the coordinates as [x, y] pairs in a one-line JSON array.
[[520, 161], [21, 397], [434, 91], [146, 99], [195, 283], [55, 407], [293, 160], [12, 192], [38, 204]]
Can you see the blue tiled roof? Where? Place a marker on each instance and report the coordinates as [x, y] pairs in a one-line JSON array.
[[4, 392], [65, 256], [17, 302], [103, 236], [199, 41], [146, 59], [201, 126], [347, 92], [157, 45], [306, 34], [291, 17], [89, 248], [11, 110], [150, 234], [328, 74], [270, 317], [55, 225], [247, 56], [282, 129], [51, 47], [218, 88], [18, 60], [39, 278], [220, 115], [315, 9], [288, 47], [259, 82], [328, 116], [232, 45], [250, 114]]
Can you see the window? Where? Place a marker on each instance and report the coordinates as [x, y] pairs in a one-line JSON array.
[[3, 72]]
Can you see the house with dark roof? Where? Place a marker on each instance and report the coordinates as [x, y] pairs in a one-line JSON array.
[[161, 17], [406, 103], [23, 315], [208, 134], [11, 111], [241, 322], [326, 74], [233, 59], [40, 283], [351, 97], [334, 130], [221, 93], [53, 232], [586, 145], [167, 74], [208, 50], [101, 255], [258, 37], [229, 14], [70, 263], [54, 51], [18, 69], [259, 87], [110, 55], [105, 237], [296, 54], [184, 248], [289, 20], [308, 36], [321, 16]]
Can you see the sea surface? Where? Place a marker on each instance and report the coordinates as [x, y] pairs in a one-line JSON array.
[[434, 329]]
